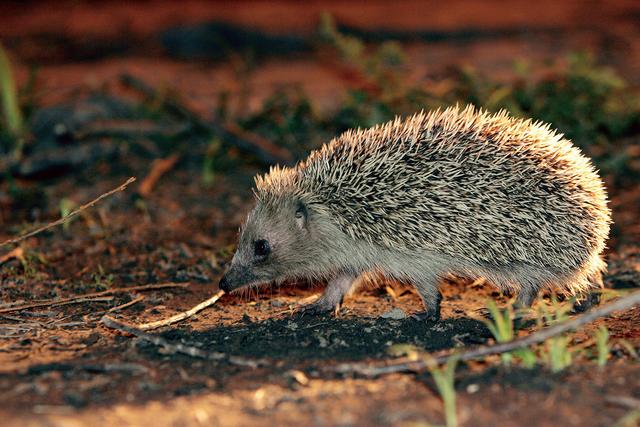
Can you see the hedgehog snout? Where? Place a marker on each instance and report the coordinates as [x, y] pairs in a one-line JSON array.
[[224, 284], [237, 276]]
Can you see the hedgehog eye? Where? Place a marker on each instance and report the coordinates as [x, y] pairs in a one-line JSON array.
[[301, 215], [261, 248]]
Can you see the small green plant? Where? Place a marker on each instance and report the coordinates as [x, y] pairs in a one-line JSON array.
[[208, 165], [590, 103], [555, 312], [527, 357], [66, 207], [31, 261], [556, 351], [630, 419], [102, 279], [602, 345], [501, 326], [12, 114], [287, 118], [381, 87], [559, 353], [444, 377], [403, 350]]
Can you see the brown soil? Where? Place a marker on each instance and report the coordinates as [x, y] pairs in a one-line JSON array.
[[59, 365]]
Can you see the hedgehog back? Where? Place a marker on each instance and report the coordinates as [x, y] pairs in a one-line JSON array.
[[489, 188]]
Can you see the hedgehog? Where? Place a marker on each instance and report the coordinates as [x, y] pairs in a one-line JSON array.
[[457, 191]]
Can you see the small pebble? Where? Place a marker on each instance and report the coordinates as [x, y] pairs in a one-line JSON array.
[[395, 314]]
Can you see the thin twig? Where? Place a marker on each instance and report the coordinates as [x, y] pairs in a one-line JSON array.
[[405, 365], [80, 298], [181, 316], [15, 253], [128, 129], [125, 305], [61, 302], [158, 168], [69, 216], [112, 323], [58, 303], [625, 401], [172, 348]]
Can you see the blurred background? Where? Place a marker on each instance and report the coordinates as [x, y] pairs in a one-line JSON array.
[[194, 98], [96, 89]]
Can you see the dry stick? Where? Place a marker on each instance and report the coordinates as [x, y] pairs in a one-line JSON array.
[[264, 150], [172, 348], [112, 323], [181, 316], [125, 305], [15, 253], [68, 217], [158, 168], [80, 298], [128, 129], [534, 338]]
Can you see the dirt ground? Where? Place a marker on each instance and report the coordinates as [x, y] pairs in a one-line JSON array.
[[60, 367]]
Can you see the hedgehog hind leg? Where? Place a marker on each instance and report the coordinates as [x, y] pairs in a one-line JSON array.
[[431, 298], [585, 303], [526, 297], [590, 297], [586, 284]]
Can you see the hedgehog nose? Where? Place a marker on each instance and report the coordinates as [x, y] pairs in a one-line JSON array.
[[224, 284]]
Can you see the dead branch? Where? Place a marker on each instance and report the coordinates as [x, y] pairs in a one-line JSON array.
[[125, 305], [17, 253], [158, 168], [624, 401], [246, 140], [71, 215], [172, 348], [406, 365], [112, 323], [58, 303], [128, 129], [82, 298], [263, 149], [181, 316]]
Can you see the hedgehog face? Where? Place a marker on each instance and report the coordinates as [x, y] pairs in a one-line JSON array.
[[270, 246]]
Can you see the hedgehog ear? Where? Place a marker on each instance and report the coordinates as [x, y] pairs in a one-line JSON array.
[[301, 214]]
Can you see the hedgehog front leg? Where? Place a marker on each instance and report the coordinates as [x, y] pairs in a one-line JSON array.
[[336, 289]]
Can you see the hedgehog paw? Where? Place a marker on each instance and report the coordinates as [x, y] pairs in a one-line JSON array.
[[320, 307], [428, 316], [332, 297], [586, 303]]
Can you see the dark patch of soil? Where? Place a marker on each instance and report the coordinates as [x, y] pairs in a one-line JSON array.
[[309, 338]]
